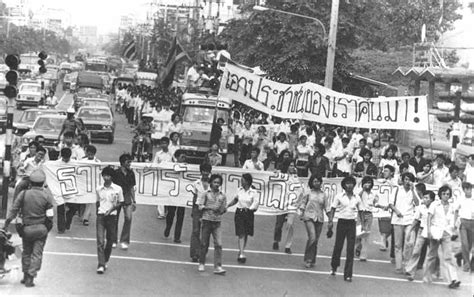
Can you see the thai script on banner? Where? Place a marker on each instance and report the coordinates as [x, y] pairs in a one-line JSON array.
[[310, 101], [171, 184]]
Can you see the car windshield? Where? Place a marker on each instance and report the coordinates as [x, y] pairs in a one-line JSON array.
[[31, 115], [30, 88], [203, 114], [94, 114], [49, 124], [99, 103], [88, 92]]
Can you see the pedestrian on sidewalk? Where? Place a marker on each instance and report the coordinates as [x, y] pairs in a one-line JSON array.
[[349, 205], [213, 205], [125, 178], [109, 199], [313, 205], [200, 187], [36, 208], [247, 204]]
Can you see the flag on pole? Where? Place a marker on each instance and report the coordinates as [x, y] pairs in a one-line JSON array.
[[130, 51], [176, 55]]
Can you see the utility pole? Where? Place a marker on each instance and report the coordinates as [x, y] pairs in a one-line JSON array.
[[332, 44]]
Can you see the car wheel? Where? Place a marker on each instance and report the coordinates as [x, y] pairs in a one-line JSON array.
[[111, 139]]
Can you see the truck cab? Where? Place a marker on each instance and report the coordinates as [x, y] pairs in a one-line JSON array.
[[199, 109]]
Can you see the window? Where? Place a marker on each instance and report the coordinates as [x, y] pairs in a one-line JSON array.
[[30, 88], [94, 115], [49, 124], [203, 114]]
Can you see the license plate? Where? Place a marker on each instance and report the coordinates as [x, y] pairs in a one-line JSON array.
[[30, 98]]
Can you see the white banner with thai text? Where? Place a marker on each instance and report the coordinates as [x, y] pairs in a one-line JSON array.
[[312, 102], [171, 184]]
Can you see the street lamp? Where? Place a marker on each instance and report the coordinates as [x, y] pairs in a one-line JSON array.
[[263, 8]]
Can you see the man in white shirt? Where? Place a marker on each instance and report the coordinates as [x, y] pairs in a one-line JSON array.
[[162, 156], [349, 205], [440, 227], [109, 199], [469, 170], [440, 171], [403, 207], [28, 167], [192, 76], [464, 210], [343, 157], [253, 163]]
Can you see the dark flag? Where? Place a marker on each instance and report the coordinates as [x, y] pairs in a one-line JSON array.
[[176, 55], [130, 51]]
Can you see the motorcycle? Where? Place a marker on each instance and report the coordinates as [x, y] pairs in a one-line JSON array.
[[140, 154]]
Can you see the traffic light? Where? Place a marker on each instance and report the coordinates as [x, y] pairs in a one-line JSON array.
[[12, 61], [456, 107], [43, 56]]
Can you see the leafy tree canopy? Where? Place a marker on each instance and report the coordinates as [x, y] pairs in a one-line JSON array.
[[293, 49]]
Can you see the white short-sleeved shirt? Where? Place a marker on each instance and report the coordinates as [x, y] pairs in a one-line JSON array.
[[162, 156], [304, 152], [469, 173], [247, 199], [404, 202], [465, 207], [249, 164], [440, 175], [421, 214], [441, 220], [348, 207], [109, 197], [281, 146]]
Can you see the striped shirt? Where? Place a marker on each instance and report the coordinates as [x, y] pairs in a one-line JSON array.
[[213, 205]]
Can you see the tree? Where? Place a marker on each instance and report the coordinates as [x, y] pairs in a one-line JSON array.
[[290, 49]]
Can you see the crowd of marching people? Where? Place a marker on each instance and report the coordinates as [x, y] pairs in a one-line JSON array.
[[431, 221]]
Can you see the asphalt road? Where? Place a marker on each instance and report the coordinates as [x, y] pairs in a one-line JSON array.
[[156, 266]]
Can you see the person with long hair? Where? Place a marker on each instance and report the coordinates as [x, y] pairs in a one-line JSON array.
[[247, 203], [389, 158], [313, 205], [418, 161]]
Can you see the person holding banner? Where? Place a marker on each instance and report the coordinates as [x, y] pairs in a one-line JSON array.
[[213, 205], [247, 203], [288, 167], [109, 199], [349, 205], [313, 205]]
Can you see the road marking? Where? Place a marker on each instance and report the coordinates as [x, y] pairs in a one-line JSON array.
[[61, 100], [225, 249], [367, 276]]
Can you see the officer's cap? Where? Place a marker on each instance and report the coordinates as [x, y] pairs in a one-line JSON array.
[[38, 176]]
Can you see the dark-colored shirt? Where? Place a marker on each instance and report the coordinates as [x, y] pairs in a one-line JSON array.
[[32, 204], [319, 168], [371, 169], [127, 182], [418, 165]]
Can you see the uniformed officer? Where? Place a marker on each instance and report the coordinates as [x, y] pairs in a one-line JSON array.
[[36, 209]]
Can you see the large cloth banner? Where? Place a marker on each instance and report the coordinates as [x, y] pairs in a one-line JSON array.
[[309, 101], [171, 184]]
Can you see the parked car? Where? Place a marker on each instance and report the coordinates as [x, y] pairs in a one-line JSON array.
[[29, 94], [28, 117], [99, 121]]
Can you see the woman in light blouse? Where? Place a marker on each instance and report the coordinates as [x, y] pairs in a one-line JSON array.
[[247, 203], [313, 206]]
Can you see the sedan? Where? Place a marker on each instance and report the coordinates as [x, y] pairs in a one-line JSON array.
[[99, 121]]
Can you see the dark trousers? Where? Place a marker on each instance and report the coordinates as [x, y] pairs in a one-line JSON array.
[[61, 214], [195, 246], [33, 244], [345, 229], [170, 213], [105, 237], [72, 209], [131, 114], [280, 221]]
